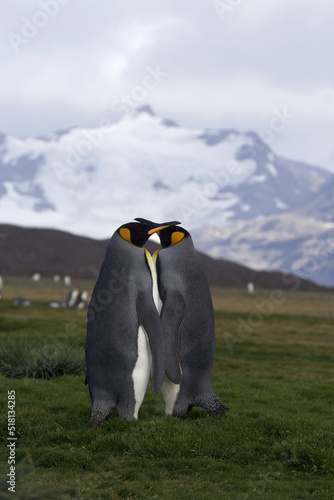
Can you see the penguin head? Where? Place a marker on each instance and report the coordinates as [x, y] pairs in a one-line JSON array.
[[172, 235], [137, 233]]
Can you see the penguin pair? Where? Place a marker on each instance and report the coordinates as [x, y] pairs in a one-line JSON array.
[[150, 312]]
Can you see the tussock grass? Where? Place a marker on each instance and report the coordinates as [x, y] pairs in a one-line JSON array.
[[20, 358]]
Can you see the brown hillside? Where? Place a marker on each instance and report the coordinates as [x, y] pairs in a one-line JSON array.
[[25, 251]]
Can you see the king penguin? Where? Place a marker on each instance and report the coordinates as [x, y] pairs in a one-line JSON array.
[[187, 318], [124, 332]]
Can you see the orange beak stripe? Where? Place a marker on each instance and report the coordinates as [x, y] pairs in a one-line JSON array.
[[156, 229]]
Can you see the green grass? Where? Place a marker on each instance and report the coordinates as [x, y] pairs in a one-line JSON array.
[[276, 442]]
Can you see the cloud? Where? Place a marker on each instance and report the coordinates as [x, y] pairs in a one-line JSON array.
[[222, 72]]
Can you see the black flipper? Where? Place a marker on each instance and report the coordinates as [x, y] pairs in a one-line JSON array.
[[172, 314], [149, 319]]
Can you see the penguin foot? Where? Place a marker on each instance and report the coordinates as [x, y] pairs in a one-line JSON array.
[[96, 419], [213, 405], [180, 409]]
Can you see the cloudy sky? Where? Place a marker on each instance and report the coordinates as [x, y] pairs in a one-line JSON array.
[[246, 64]]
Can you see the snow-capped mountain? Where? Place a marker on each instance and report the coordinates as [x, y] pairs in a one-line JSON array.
[[219, 183], [90, 180]]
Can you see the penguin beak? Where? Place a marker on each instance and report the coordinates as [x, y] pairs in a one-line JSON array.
[[163, 226], [156, 230]]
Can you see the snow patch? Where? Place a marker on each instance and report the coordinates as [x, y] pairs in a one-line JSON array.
[[272, 169], [280, 204], [257, 178], [246, 208]]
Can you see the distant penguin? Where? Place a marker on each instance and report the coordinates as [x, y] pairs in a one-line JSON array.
[[124, 332], [21, 301], [187, 319], [72, 297], [81, 302], [67, 280], [57, 304]]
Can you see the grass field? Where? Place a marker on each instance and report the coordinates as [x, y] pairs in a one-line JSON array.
[[274, 369]]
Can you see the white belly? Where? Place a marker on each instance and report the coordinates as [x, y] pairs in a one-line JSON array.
[[142, 369], [141, 372]]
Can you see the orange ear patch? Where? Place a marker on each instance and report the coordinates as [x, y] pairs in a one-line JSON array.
[[177, 236], [125, 234]]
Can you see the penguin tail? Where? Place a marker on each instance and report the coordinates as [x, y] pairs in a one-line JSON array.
[[158, 376], [173, 370], [213, 405]]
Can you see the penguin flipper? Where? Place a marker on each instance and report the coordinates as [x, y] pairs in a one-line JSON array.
[[149, 319], [172, 315]]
